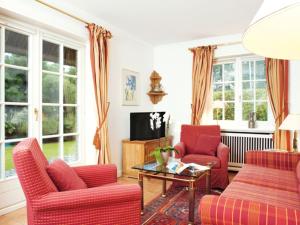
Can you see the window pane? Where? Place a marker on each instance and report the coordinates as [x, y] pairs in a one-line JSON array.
[[218, 114], [217, 73], [229, 111], [70, 119], [261, 90], [246, 70], [16, 122], [50, 88], [50, 56], [9, 165], [70, 149], [70, 90], [50, 120], [229, 70], [247, 108], [262, 111], [217, 92], [229, 92], [16, 48], [248, 90], [15, 85], [260, 70], [51, 148], [70, 61]]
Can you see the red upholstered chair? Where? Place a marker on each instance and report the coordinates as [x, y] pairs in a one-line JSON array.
[[104, 202], [201, 145]]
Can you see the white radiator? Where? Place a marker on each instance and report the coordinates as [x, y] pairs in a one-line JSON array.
[[240, 142]]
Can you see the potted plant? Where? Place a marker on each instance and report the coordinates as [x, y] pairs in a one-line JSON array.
[[161, 154]]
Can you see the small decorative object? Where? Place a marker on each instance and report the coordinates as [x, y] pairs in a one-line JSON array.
[[130, 87], [218, 105], [252, 120], [161, 154], [156, 93]]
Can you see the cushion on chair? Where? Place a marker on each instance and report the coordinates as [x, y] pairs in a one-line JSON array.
[[64, 177], [204, 145], [201, 159]]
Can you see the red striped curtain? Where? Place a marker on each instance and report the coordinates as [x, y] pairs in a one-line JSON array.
[[277, 74]]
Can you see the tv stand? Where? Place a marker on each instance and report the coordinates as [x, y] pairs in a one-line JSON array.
[[138, 152]]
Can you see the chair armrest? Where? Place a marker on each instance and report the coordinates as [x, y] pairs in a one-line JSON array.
[[215, 210], [180, 147], [223, 154], [88, 198], [97, 175], [273, 159]]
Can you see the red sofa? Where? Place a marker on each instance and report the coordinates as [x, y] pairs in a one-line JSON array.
[[264, 192], [104, 202], [191, 142]]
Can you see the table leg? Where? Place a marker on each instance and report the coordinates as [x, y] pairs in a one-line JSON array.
[[142, 189], [164, 187], [191, 201], [208, 182]]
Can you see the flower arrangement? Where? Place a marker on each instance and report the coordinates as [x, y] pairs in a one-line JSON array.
[[161, 153]]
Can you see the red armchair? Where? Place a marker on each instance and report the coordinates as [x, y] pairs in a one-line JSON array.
[[193, 138], [104, 202]]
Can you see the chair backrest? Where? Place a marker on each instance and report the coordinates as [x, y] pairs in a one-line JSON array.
[[190, 133], [30, 164]]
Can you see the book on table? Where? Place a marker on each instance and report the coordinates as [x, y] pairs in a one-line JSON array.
[[178, 167]]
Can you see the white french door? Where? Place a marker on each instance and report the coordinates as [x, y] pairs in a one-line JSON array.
[[39, 95]]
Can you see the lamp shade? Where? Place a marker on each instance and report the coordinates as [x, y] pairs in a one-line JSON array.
[[274, 32], [291, 122]]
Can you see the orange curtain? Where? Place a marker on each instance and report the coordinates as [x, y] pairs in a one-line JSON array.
[[277, 74], [99, 60], [201, 80]]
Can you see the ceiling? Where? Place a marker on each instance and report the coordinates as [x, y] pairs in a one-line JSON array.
[[166, 21]]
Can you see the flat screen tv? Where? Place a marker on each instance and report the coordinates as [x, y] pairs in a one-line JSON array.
[[140, 128]]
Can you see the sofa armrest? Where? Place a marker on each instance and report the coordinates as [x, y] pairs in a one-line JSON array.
[[180, 147], [88, 198], [97, 175], [223, 154], [215, 210], [273, 159]]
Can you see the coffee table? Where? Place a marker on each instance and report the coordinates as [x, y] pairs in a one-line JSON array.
[[161, 172]]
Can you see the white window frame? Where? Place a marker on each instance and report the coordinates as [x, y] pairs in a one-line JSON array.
[[238, 123], [35, 36]]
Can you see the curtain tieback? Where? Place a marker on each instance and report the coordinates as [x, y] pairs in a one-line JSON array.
[[97, 141]]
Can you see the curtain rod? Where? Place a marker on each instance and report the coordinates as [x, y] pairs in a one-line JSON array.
[[62, 11], [223, 44]]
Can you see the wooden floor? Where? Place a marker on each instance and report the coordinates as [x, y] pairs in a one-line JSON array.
[[152, 188]]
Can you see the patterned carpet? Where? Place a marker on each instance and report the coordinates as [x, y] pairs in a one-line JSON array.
[[171, 210]]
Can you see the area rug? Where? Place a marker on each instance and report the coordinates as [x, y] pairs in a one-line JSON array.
[[171, 210]]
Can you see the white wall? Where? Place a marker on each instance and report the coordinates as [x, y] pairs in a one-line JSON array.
[[126, 52], [174, 63]]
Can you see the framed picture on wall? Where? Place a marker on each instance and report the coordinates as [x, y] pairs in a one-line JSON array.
[[130, 87]]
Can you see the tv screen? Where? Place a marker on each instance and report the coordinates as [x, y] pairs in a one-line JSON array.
[[140, 126]]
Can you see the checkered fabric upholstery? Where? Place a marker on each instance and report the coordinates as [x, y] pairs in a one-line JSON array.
[[273, 159], [232, 211], [264, 192], [104, 203]]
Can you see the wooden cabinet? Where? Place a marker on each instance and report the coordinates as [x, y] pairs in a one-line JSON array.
[[138, 152]]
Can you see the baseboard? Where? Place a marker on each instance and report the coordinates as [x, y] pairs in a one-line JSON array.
[[12, 208]]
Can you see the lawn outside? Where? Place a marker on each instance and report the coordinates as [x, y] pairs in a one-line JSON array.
[[51, 150]]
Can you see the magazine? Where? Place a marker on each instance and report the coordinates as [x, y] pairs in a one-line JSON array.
[[177, 166]]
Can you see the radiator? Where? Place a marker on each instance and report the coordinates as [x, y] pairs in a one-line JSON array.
[[240, 142]]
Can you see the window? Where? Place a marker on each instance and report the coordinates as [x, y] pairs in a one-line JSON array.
[[239, 87], [14, 99], [59, 102], [21, 94]]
